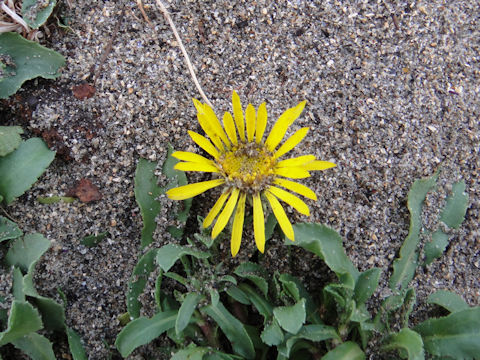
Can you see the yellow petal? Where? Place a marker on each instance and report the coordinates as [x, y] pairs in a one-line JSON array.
[[208, 129], [261, 122], [198, 106], [189, 156], [291, 142], [258, 223], [212, 214], [250, 119], [297, 161], [319, 165], [282, 125], [191, 190], [296, 187], [293, 172], [290, 199], [215, 124], [238, 115], [229, 126], [237, 229], [225, 214], [279, 213], [193, 166], [204, 143]]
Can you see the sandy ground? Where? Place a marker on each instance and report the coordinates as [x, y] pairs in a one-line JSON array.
[[392, 91]]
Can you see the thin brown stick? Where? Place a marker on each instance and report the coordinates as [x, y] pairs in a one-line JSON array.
[[142, 10], [187, 59]]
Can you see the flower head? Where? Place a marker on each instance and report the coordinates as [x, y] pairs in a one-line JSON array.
[[247, 165]]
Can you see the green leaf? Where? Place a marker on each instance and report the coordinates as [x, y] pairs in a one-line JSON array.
[[270, 225], [435, 248], [235, 293], [296, 290], [408, 341], [9, 139], [143, 330], [186, 310], [191, 353], [290, 286], [233, 330], [291, 318], [448, 300], [138, 280], [75, 345], [260, 303], [167, 255], [55, 199], [8, 229], [146, 192], [346, 351], [21, 168], [404, 267], [454, 212], [30, 61], [255, 273], [17, 288], [23, 320], [94, 240], [36, 12], [25, 251], [327, 244], [315, 333], [36, 346], [366, 285], [456, 335], [272, 334]]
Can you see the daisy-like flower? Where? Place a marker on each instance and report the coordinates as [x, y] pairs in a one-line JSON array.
[[247, 165]]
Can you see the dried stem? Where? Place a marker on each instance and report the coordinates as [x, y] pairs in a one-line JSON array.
[[187, 59], [14, 16]]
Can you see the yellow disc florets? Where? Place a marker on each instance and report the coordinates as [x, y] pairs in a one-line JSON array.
[[248, 167]]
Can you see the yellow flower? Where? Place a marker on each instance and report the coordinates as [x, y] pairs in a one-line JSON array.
[[248, 165]]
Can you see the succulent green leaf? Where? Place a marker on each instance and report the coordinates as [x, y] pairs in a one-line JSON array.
[[404, 267], [291, 318], [313, 333], [75, 345], [9, 138], [21, 168], [31, 60], [406, 341], [366, 285], [448, 300], [186, 310], [255, 273], [327, 244], [17, 288], [456, 335], [36, 12], [146, 192], [36, 346], [167, 255], [297, 291], [143, 330], [8, 229], [435, 248], [233, 329], [409, 302], [346, 351], [454, 212], [272, 334], [290, 286], [137, 282], [25, 251], [93, 240], [239, 295], [261, 304], [23, 319]]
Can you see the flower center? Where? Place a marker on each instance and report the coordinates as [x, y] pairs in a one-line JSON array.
[[248, 167]]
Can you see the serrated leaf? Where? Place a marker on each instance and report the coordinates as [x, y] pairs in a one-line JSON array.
[[272, 334], [75, 345], [9, 139], [167, 255], [454, 212], [404, 267], [233, 330], [36, 12], [21, 168], [186, 310], [448, 300], [36, 346], [366, 285], [137, 282], [23, 320], [27, 250], [315, 333], [146, 192], [408, 341], [31, 60], [456, 335], [291, 318], [409, 302], [258, 301], [255, 273], [143, 330], [346, 351], [291, 284], [435, 248], [8, 229], [94, 240], [327, 244]]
